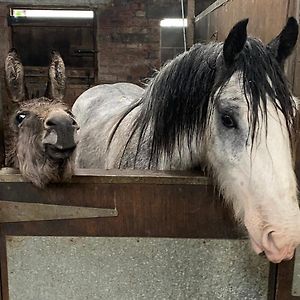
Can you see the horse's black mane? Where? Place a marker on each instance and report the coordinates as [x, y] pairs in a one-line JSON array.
[[175, 103]]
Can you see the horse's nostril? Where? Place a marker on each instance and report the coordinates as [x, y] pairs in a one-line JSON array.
[[262, 254]]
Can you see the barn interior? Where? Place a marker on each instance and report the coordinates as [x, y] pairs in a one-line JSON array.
[[108, 41]]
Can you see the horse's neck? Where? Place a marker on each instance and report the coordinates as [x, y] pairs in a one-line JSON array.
[[137, 153], [185, 156]]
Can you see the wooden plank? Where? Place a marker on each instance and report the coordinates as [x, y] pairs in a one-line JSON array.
[[38, 72], [3, 268], [145, 211], [2, 140], [284, 281], [222, 17], [11, 175], [210, 9], [292, 63], [272, 281], [158, 204], [190, 23]]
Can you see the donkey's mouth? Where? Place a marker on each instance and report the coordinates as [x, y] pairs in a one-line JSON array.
[[57, 153]]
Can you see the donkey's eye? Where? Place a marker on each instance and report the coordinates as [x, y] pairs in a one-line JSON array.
[[20, 117], [228, 121]]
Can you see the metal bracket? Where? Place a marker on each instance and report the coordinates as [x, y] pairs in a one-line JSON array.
[[22, 212]]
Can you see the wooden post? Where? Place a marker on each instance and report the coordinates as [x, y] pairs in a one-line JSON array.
[[2, 140], [190, 23]]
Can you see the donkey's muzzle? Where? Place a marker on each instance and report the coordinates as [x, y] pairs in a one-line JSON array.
[[60, 138], [56, 153]]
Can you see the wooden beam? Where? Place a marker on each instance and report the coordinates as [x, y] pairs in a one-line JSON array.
[[156, 204], [2, 140], [190, 23]]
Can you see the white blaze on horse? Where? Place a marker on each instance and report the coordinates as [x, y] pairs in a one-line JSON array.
[[42, 136], [223, 106]]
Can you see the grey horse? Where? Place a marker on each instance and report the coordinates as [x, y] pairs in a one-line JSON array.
[[223, 106]]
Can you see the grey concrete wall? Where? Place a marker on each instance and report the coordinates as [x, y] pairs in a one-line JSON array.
[[59, 268]]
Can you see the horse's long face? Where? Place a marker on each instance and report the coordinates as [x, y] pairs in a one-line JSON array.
[[249, 142], [257, 176]]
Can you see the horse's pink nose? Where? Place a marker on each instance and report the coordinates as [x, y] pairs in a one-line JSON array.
[[276, 246]]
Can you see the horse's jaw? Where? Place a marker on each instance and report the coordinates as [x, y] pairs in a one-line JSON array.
[[268, 208]]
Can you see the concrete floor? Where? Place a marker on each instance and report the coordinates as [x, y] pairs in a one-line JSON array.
[[54, 268]]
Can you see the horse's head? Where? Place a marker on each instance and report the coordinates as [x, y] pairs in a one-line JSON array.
[[249, 143], [43, 130]]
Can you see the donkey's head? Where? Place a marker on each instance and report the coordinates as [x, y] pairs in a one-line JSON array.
[[43, 130], [253, 119]]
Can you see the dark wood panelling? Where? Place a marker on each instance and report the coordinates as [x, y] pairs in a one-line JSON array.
[[284, 281], [151, 207], [76, 45]]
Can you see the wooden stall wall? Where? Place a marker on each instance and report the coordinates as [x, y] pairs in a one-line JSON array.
[[266, 20]]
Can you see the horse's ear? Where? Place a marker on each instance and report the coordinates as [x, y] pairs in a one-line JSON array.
[[283, 45], [14, 75], [56, 77], [235, 42]]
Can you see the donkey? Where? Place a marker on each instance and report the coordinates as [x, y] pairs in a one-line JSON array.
[[43, 131], [224, 106]]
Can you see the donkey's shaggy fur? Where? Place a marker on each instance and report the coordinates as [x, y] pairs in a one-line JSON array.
[[41, 138]]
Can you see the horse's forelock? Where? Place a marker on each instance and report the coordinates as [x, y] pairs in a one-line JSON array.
[[263, 80], [176, 101], [176, 104]]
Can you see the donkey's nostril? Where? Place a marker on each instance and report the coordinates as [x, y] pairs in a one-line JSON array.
[[50, 123]]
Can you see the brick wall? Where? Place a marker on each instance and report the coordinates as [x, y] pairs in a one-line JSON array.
[[129, 40]]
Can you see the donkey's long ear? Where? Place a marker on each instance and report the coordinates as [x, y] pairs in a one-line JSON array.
[[14, 75], [235, 42], [57, 77], [283, 45]]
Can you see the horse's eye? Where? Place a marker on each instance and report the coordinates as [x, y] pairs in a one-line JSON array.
[[228, 121], [20, 117]]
